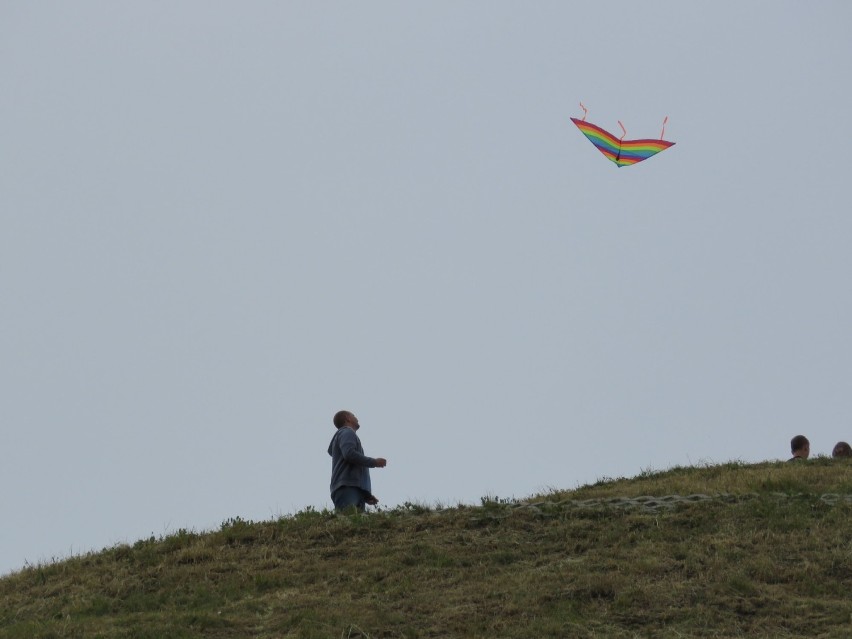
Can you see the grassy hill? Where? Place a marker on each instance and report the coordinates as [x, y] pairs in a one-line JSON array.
[[720, 551]]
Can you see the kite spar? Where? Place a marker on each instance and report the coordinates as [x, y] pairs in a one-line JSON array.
[[622, 152]]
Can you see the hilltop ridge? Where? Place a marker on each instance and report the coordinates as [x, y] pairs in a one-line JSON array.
[[732, 550]]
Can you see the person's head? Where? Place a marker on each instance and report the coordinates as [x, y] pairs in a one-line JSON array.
[[800, 446], [346, 418], [842, 449]]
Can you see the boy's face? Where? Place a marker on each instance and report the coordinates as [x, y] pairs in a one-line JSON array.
[[352, 422]]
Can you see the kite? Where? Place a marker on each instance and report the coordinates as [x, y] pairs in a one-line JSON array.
[[622, 152]]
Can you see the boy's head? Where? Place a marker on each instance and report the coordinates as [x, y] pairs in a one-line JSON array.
[[800, 446]]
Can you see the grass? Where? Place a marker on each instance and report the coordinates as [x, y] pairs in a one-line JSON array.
[[775, 561]]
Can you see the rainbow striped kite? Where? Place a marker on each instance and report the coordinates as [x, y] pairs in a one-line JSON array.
[[622, 152]]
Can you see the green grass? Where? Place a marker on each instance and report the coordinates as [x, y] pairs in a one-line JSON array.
[[770, 559]]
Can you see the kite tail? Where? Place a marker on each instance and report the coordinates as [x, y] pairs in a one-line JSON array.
[[585, 111], [663, 132]]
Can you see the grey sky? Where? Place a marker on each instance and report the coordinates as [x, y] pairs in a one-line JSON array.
[[222, 222]]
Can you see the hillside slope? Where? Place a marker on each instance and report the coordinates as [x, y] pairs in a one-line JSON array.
[[720, 551]]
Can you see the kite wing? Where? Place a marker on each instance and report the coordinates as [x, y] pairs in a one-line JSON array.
[[622, 152]]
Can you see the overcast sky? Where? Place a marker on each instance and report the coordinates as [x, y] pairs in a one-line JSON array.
[[221, 222]]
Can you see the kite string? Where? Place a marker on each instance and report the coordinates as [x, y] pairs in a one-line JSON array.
[[623, 129], [663, 132], [585, 111]]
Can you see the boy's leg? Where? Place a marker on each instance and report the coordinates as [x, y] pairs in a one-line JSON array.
[[348, 496]]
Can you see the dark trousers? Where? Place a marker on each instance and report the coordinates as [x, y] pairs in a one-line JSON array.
[[348, 496]]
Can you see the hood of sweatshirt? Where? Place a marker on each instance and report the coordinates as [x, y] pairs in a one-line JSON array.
[[331, 443]]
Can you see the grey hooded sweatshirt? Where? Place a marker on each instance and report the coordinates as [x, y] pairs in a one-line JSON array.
[[349, 465]]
